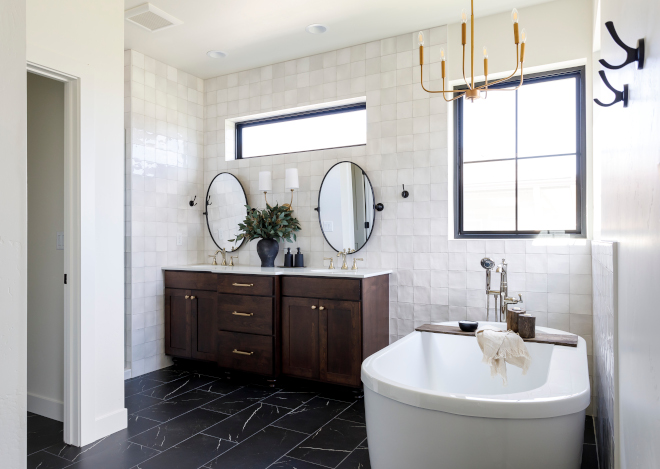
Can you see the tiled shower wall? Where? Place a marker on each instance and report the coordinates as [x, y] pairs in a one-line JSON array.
[[164, 150]]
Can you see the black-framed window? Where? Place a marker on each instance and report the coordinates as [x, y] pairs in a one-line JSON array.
[[335, 127], [520, 159]]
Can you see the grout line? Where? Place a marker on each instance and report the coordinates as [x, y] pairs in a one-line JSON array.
[[302, 460]]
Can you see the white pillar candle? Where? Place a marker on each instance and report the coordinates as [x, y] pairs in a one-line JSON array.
[[291, 179], [265, 181]]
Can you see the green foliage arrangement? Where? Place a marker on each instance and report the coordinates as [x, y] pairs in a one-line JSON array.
[[274, 222]]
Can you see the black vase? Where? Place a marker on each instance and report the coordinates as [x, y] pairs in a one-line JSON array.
[[267, 250]]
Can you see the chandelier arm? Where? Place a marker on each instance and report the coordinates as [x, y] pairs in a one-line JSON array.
[[504, 79], [421, 82], [517, 87], [465, 79]]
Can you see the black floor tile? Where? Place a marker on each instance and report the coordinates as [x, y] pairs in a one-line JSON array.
[[355, 413], [139, 384], [240, 399], [177, 387], [189, 454], [43, 432], [168, 434], [290, 399], [136, 425], [165, 375], [43, 460], [247, 422], [137, 402], [124, 455], [364, 444], [172, 408], [312, 415], [589, 435], [358, 459], [223, 385], [260, 451], [331, 443], [589, 457], [287, 462]]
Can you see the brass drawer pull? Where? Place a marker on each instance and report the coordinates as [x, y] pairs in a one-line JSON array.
[[243, 284], [314, 307], [187, 297], [242, 353], [236, 313], [321, 308]]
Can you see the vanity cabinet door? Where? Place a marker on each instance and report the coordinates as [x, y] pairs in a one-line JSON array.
[[178, 327], [204, 324], [300, 337], [340, 341]]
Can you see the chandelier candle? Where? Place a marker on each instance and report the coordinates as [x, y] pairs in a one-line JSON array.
[[474, 92]]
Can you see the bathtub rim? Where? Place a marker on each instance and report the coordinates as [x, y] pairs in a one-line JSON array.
[[574, 375]]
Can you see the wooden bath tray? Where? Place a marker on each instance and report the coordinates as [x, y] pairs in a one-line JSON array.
[[567, 340]]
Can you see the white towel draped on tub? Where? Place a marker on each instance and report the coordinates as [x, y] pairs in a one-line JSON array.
[[501, 347]]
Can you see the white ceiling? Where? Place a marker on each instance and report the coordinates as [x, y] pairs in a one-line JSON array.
[[261, 32]]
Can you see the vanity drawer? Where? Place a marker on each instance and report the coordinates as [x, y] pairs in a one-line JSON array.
[[249, 314], [321, 287], [190, 280], [246, 284], [245, 352]]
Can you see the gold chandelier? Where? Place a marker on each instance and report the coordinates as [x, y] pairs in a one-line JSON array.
[[473, 92]]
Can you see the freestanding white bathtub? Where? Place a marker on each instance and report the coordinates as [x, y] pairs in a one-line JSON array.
[[431, 404]]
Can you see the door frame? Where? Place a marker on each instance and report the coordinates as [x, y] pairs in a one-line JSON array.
[[75, 416]]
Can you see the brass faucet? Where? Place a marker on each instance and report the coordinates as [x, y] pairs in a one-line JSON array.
[[355, 267], [332, 262], [231, 260], [344, 265], [224, 256]]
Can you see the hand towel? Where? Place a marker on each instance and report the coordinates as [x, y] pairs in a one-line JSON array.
[[501, 347]]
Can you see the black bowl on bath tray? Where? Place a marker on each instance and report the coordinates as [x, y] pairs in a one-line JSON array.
[[468, 326]]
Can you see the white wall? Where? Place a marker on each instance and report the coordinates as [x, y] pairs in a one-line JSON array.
[[629, 149], [13, 235], [45, 156], [88, 37]]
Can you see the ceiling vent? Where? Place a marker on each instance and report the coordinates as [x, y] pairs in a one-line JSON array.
[[150, 18]]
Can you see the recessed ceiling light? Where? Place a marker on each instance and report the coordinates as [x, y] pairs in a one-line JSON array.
[[316, 29], [216, 54]]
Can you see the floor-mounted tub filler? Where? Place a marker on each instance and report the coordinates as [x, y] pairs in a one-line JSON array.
[[431, 404]]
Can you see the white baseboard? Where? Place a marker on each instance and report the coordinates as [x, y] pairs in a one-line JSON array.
[[51, 408], [111, 423], [127, 373]]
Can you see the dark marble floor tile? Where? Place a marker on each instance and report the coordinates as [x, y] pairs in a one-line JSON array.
[[355, 413], [137, 402], [589, 435], [170, 433], [290, 399], [287, 462], [177, 387], [240, 399], [172, 408], [42, 432], [247, 422], [589, 457], [222, 385], [341, 393], [165, 375], [358, 459], [331, 443], [312, 415], [189, 454], [260, 451], [364, 444], [44, 460], [124, 455], [136, 425], [139, 384]]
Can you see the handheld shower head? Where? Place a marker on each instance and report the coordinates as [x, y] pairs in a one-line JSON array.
[[487, 263]]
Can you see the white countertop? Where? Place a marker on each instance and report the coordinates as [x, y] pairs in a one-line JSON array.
[[303, 271]]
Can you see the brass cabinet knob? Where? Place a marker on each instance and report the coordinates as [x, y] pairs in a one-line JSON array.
[[321, 308], [187, 297], [192, 297], [313, 306]]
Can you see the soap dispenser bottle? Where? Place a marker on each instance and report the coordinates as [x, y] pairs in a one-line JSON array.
[[288, 258], [299, 261]]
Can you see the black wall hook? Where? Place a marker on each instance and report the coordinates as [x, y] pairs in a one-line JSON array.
[[619, 96], [405, 193], [634, 55], [192, 203], [380, 207]]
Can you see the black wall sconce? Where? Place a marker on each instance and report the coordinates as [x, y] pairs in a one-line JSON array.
[[380, 207], [405, 193], [192, 203], [634, 55], [619, 96]]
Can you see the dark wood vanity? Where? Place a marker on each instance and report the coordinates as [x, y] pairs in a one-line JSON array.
[[312, 327]]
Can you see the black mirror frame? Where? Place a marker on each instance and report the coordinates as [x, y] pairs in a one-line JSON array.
[[373, 197], [206, 210]]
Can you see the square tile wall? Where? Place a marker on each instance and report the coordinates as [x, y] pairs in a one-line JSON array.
[[164, 150]]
